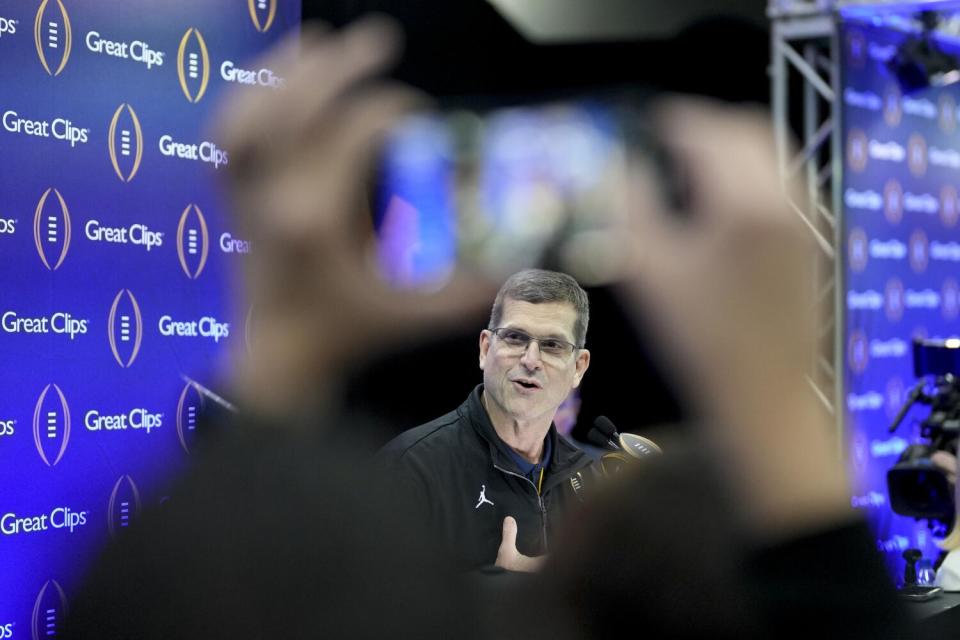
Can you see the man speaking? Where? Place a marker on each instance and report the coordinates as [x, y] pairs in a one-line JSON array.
[[493, 477]]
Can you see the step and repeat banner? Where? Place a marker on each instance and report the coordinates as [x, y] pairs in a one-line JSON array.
[[902, 262], [116, 256]]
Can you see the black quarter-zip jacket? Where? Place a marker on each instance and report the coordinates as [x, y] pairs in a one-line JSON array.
[[456, 473]]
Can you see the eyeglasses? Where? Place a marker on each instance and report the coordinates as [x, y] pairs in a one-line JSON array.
[[519, 341]]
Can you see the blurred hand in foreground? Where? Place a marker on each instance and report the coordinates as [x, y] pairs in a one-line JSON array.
[[300, 166], [727, 290]]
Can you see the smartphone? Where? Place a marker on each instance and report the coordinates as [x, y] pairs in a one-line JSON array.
[[499, 189]]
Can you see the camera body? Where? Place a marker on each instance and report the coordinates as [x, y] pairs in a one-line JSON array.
[[918, 488]]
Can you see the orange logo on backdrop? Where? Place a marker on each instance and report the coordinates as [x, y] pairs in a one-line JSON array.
[[197, 243], [125, 328], [58, 229], [259, 7], [196, 69], [49, 423], [125, 142], [56, 40]]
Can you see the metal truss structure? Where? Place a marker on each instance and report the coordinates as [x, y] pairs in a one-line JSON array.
[[805, 54]]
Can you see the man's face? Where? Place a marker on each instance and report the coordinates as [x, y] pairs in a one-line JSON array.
[[527, 384]]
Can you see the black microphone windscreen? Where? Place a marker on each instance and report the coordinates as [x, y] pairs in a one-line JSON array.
[[598, 439], [605, 426]]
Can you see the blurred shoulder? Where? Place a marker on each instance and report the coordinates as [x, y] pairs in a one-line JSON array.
[[435, 437]]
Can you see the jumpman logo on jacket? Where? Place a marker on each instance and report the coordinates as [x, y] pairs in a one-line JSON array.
[[483, 497]]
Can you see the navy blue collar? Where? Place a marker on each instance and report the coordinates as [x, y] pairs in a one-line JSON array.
[[568, 456], [532, 469]]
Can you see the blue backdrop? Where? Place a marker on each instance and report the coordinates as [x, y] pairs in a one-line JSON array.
[[115, 260], [900, 210]]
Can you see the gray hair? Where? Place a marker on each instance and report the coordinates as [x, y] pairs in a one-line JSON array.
[[539, 285]]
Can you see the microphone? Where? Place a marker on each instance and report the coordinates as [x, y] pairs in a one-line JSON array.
[[605, 434], [624, 447], [599, 440], [915, 395], [605, 426]]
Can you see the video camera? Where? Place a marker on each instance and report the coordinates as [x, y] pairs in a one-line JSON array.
[[918, 488]]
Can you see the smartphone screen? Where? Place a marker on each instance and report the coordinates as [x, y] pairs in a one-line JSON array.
[[498, 191]]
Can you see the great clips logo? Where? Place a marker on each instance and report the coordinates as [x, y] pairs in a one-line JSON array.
[[58, 518], [53, 36], [125, 328], [49, 610], [137, 50], [58, 128], [262, 12], [125, 142], [52, 229], [51, 425], [189, 408], [124, 505], [193, 65], [193, 241]]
